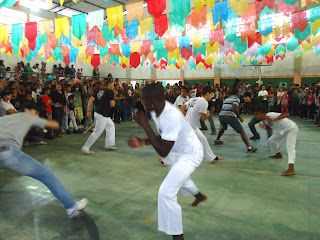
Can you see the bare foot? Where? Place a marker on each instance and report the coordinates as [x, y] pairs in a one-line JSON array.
[[288, 173], [199, 198], [278, 155], [220, 158]]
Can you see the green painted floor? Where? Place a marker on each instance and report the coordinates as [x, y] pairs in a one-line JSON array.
[[247, 197]]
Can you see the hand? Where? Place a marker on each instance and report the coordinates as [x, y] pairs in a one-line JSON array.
[[135, 142], [213, 108], [208, 113], [89, 114], [141, 119], [270, 120], [241, 119], [262, 126]]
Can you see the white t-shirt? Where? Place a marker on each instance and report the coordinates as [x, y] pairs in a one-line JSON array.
[[180, 101], [279, 95], [4, 107], [195, 106], [172, 126], [193, 93], [263, 93], [282, 125]]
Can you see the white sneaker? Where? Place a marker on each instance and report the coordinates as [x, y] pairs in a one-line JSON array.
[[87, 152], [41, 143], [110, 147], [77, 208]]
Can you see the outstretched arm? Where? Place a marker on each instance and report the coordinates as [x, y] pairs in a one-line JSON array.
[[282, 116]]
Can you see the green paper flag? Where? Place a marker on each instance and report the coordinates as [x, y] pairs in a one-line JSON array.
[[158, 45], [292, 44], [178, 23], [29, 58], [180, 10], [239, 46], [79, 25], [103, 51], [108, 35], [17, 34], [303, 35], [230, 33], [115, 58], [201, 50], [7, 3]]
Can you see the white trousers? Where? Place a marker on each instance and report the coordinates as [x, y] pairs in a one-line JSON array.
[[102, 123], [207, 151], [276, 141], [178, 179]]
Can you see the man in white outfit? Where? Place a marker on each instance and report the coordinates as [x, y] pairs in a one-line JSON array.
[[103, 102], [283, 128], [194, 109], [178, 141]]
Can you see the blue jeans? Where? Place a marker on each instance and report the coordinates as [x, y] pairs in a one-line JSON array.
[[15, 160]]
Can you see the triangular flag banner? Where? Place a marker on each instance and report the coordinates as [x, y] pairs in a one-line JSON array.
[[79, 25], [17, 34], [198, 5], [161, 24], [198, 20], [45, 27], [30, 33], [61, 26], [156, 7], [7, 3], [134, 11], [115, 17], [134, 60], [239, 7], [95, 61], [132, 29], [4, 33]]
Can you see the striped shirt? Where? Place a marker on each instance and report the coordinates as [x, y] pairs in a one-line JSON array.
[[228, 105]]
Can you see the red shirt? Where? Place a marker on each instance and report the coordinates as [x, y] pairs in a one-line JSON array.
[[46, 99], [199, 90]]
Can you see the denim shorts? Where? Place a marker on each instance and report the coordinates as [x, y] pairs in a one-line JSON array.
[[226, 120]]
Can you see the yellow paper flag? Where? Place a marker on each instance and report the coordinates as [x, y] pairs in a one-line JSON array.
[[61, 26], [174, 54], [272, 52], [210, 22], [210, 3], [210, 59], [124, 60], [172, 66], [200, 65], [76, 42], [4, 33], [136, 47], [61, 2], [134, 11], [50, 59], [213, 48], [115, 17], [234, 65], [307, 46], [239, 6], [197, 40], [315, 25], [180, 62], [88, 60], [198, 4], [238, 57], [45, 27], [146, 25]]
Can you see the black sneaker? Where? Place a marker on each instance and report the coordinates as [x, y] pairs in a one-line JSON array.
[[218, 142], [252, 150], [214, 133], [204, 128], [68, 132], [255, 138]]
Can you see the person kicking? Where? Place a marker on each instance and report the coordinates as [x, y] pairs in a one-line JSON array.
[[181, 147], [194, 109], [255, 103], [104, 101], [13, 129], [283, 128], [229, 115]]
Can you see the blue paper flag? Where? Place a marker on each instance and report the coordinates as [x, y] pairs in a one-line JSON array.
[[126, 50], [132, 29], [184, 41]]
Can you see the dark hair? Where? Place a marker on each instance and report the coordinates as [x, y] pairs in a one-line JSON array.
[[45, 89], [6, 92], [185, 88], [260, 110], [109, 81], [234, 91], [247, 94], [153, 92], [206, 90], [31, 106]]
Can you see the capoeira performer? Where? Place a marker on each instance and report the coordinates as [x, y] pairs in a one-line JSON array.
[[13, 129], [194, 109], [283, 128], [177, 142], [103, 102], [229, 115]]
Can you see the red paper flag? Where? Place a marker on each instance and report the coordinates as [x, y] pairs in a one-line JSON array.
[[115, 49], [31, 32], [287, 9], [102, 41], [93, 35], [90, 51], [47, 51], [299, 21], [52, 41], [198, 20], [186, 54], [146, 48], [161, 24], [65, 50], [156, 7], [95, 61], [134, 60], [171, 44], [66, 60], [261, 4], [217, 36], [256, 40], [199, 59], [269, 60]]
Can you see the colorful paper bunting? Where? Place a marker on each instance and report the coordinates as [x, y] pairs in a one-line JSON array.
[[79, 24], [61, 26], [115, 17]]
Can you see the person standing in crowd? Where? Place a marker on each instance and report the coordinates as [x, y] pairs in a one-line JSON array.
[[285, 102], [279, 99], [304, 103], [73, 71], [69, 111], [79, 92], [103, 101], [264, 93], [6, 108], [311, 105], [59, 102], [295, 101]]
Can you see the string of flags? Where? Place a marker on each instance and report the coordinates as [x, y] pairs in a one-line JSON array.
[[212, 33]]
